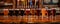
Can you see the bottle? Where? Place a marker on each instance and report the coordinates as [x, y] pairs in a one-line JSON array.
[[30, 2], [24, 2], [33, 1]]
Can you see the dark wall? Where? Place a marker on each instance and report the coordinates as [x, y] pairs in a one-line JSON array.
[[59, 3]]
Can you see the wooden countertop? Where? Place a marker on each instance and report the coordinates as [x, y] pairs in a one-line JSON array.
[[31, 18]]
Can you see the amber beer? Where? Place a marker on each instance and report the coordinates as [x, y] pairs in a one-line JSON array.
[[5, 12], [43, 11], [32, 11]]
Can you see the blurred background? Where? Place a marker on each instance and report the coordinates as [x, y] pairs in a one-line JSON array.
[[29, 11]]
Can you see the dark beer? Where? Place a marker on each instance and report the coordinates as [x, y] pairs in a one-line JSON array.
[[48, 12], [16, 12], [38, 12], [21, 12], [11, 12], [53, 12]]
